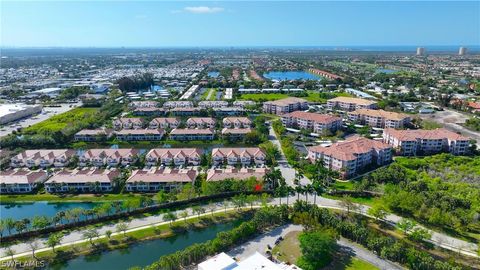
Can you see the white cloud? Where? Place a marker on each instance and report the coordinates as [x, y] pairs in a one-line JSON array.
[[203, 10]]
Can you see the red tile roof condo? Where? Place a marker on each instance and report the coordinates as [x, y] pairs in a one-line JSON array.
[[43, 158], [237, 174], [108, 156], [20, 180], [350, 103], [320, 118], [379, 118], [177, 156], [233, 156], [160, 179], [189, 131], [285, 105]]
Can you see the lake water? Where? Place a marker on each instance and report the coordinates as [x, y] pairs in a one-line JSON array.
[[290, 75], [213, 74], [385, 70], [143, 253], [28, 210]]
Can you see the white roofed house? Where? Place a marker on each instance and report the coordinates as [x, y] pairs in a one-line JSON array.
[[237, 122], [92, 135], [82, 180], [128, 123], [174, 156], [108, 157], [201, 122], [43, 158], [155, 179], [20, 180], [238, 156], [164, 123]]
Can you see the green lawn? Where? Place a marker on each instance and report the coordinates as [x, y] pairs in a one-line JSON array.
[[354, 264], [343, 185], [259, 97], [63, 120], [207, 93]]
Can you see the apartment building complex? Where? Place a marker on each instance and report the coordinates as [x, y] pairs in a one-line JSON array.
[[352, 156], [190, 134], [422, 142], [108, 157], [237, 122], [379, 118], [285, 105], [43, 158], [82, 180], [128, 123], [139, 134], [174, 156], [20, 180], [349, 104], [155, 179], [201, 122], [164, 123], [238, 156], [318, 123]]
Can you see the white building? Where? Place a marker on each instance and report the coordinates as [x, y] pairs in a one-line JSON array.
[[13, 112]]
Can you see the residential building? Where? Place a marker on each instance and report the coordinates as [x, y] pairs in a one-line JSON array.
[[148, 111], [139, 134], [43, 158], [237, 174], [243, 103], [128, 123], [230, 111], [108, 157], [174, 156], [238, 156], [318, 123], [155, 179], [92, 135], [201, 122], [177, 104], [424, 142], [352, 156], [143, 104], [190, 134], [237, 122], [20, 180], [186, 111], [82, 180], [164, 123], [235, 133], [379, 118], [212, 104], [285, 105], [254, 262], [349, 104]]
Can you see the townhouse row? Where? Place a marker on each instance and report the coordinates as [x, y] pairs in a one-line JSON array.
[[94, 180], [252, 156]]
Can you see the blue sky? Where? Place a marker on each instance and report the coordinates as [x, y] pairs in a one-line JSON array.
[[231, 23]]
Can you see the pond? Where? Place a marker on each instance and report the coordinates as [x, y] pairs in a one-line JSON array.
[[143, 253], [290, 75], [28, 210], [213, 74], [385, 70]]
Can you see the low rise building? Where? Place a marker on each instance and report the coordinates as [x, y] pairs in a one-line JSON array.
[[235, 134], [174, 156], [13, 112], [92, 135], [156, 179], [43, 158], [201, 122], [349, 104], [139, 134], [212, 104], [148, 111], [190, 134], [238, 156], [237, 122], [82, 180], [318, 123], [424, 142], [186, 111], [143, 104], [108, 157], [286, 105], [128, 123], [177, 104], [254, 262], [20, 180], [379, 118], [164, 123], [352, 156], [229, 111]]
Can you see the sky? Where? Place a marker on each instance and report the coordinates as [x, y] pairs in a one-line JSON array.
[[238, 23]]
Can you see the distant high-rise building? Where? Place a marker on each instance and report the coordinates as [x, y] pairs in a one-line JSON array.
[[420, 51], [462, 51]]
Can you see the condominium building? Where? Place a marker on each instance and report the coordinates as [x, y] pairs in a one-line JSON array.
[[237, 174], [128, 123], [108, 157], [422, 142], [352, 156], [212, 104], [318, 123], [174, 156], [177, 104], [143, 104], [20, 180], [285, 105], [201, 122], [187, 111], [43, 158], [238, 156], [155, 179], [92, 135], [139, 134], [148, 111], [237, 122], [379, 118], [164, 123], [190, 134], [228, 111], [82, 180], [349, 104], [235, 133]]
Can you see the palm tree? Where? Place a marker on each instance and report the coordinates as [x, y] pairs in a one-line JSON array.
[[317, 189], [290, 192], [298, 190], [184, 215], [308, 189]]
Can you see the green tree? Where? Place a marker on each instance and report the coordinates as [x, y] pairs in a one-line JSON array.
[[9, 251], [317, 248], [90, 234], [108, 233], [378, 211], [54, 240], [406, 225], [122, 227], [170, 217]]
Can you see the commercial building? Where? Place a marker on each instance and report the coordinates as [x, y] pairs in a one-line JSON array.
[[139, 134], [13, 112], [43, 158], [379, 118], [108, 157], [155, 179], [238, 156], [190, 134], [285, 105], [424, 142], [82, 180], [174, 156], [318, 123], [20, 181], [237, 122], [349, 104], [352, 156]]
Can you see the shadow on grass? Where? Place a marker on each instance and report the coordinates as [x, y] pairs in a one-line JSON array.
[[342, 258]]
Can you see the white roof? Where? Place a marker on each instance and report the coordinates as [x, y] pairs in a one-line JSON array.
[[218, 262], [257, 262]]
